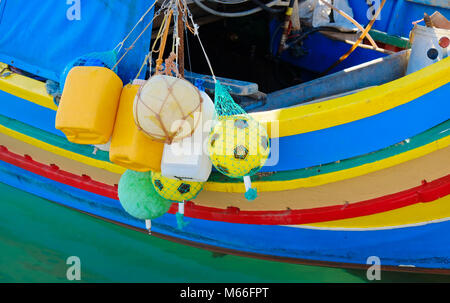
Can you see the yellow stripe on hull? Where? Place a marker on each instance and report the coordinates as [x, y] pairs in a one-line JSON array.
[[301, 119], [271, 186], [312, 117], [27, 89], [334, 176], [377, 184], [66, 164], [416, 214], [62, 152]]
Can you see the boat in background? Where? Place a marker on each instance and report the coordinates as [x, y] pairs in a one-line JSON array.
[[360, 158]]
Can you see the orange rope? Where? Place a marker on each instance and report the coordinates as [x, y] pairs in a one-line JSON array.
[[360, 39], [159, 61], [355, 23]]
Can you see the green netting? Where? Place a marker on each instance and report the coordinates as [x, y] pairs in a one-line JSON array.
[[238, 145], [224, 103], [106, 59]]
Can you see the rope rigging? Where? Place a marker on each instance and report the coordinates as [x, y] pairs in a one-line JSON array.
[[177, 10]]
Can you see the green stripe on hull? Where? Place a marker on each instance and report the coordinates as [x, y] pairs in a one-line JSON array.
[[438, 132]]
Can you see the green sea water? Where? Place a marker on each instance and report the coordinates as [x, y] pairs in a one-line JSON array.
[[37, 236]]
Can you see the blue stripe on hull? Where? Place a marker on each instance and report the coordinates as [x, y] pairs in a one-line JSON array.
[[426, 246], [29, 113], [365, 135], [308, 149]]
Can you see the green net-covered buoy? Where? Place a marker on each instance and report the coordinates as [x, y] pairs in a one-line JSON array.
[[139, 198]]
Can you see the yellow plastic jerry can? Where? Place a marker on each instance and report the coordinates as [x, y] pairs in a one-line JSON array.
[[130, 147], [88, 106]]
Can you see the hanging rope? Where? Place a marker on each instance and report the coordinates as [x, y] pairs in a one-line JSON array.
[[134, 42], [120, 44], [140, 34], [158, 36], [159, 61], [147, 57], [180, 39], [180, 11], [201, 45], [187, 47]]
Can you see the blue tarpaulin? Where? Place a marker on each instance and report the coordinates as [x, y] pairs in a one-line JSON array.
[[41, 37]]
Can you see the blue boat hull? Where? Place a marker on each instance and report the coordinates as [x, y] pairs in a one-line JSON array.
[[423, 246]]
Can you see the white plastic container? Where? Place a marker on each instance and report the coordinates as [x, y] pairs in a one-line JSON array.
[[188, 159], [426, 48], [103, 147]]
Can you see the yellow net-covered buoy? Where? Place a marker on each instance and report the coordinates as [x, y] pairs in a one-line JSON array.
[[238, 146], [167, 108], [175, 190]]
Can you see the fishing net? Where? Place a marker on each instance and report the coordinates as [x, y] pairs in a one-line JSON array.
[[106, 59], [224, 103]]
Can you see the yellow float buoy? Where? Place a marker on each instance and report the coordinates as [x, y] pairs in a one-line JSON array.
[[88, 106], [174, 189], [130, 147]]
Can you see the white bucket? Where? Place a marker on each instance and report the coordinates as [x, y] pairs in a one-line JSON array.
[[188, 159], [426, 48]]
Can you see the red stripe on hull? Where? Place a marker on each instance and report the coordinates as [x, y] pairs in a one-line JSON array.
[[426, 192]]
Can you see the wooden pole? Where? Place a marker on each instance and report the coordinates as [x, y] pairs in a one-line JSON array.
[[180, 31]]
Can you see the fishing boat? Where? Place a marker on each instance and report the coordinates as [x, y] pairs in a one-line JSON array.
[[360, 157]]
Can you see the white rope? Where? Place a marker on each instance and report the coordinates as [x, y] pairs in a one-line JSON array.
[[138, 37], [176, 34], [201, 45], [135, 26], [143, 64]]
